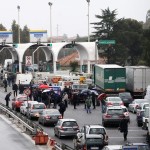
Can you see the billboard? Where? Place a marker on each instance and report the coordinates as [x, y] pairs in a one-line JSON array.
[[38, 36], [6, 36]]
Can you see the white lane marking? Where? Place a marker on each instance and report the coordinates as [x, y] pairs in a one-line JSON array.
[[128, 137]]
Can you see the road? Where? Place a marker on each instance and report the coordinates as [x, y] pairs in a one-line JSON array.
[[135, 134]]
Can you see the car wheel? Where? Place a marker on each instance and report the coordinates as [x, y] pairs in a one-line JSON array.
[[59, 135]]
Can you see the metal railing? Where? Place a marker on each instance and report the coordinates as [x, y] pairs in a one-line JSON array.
[[21, 120]]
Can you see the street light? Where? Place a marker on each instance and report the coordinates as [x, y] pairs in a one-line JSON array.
[[50, 4], [18, 7], [88, 1]]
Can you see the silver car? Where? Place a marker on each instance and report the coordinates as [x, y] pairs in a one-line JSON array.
[[49, 116], [66, 127]]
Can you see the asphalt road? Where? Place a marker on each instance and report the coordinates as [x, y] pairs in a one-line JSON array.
[[135, 134]]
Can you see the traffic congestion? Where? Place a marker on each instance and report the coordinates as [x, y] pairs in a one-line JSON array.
[[79, 113]]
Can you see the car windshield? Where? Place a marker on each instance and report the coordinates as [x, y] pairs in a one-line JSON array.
[[115, 111], [97, 131], [115, 99], [69, 124], [38, 106], [126, 95]]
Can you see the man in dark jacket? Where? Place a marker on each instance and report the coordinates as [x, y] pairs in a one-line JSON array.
[[15, 89], [5, 85], [62, 108], [93, 100], [123, 127], [7, 98]]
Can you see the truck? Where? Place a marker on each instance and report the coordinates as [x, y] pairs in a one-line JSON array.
[[110, 78], [137, 80]]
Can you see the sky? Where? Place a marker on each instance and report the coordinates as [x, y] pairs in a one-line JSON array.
[[67, 16]]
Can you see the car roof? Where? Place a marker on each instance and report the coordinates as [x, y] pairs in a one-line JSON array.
[[94, 126], [67, 120]]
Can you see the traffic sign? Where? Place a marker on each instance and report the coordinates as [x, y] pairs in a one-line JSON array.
[[105, 42], [27, 91], [28, 60]]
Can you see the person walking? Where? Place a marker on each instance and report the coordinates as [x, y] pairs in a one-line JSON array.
[[65, 98], [93, 100], [15, 89], [62, 108], [7, 98], [123, 127], [75, 99], [5, 85], [88, 103]]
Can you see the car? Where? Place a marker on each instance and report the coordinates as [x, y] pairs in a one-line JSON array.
[[135, 104], [66, 127], [24, 106], [140, 113], [126, 112], [96, 137], [126, 98], [113, 101], [112, 147], [17, 101], [112, 115], [49, 116], [136, 146], [34, 109]]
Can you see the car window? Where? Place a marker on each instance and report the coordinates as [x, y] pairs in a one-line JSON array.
[[115, 111], [115, 99], [146, 105], [38, 106], [51, 112], [97, 131], [69, 124]]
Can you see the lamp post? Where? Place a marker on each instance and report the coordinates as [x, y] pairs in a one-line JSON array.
[[18, 7], [50, 4], [88, 1]]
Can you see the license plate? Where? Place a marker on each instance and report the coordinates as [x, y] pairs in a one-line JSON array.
[[70, 129], [115, 104], [94, 147], [115, 116], [54, 117]]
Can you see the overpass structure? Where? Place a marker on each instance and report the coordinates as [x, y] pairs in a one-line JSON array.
[[87, 52]]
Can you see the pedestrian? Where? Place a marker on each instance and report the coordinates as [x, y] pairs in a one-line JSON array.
[[88, 103], [93, 100], [15, 89], [62, 108], [5, 85], [123, 127], [65, 98], [7, 98], [102, 99], [75, 99]]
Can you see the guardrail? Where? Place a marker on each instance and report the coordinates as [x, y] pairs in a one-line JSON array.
[[19, 119]]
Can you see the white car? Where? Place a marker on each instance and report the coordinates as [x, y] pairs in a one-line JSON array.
[[24, 106], [114, 101], [112, 147]]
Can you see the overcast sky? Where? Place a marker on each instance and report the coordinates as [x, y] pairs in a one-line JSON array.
[[69, 15]]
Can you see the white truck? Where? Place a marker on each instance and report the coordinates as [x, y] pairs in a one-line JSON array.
[[137, 79]]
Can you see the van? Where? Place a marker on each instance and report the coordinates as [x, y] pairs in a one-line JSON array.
[[24, 79]]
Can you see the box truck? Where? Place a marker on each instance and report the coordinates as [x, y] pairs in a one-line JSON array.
[[110, 78], [137, 79]]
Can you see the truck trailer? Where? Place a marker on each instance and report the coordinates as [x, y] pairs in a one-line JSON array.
[[110, 78], [137, 80]]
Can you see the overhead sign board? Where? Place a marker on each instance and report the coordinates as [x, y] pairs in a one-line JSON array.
[[6, 36], [28, 60], [105, 42], [38, 36]]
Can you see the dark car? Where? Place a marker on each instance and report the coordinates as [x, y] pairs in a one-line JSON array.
[[136, 146], [126, 98]]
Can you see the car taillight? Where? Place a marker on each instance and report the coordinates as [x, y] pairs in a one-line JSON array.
[[59, 117], [47, 117], [122, 104], [107, 116], [61, 128], [109, 104]]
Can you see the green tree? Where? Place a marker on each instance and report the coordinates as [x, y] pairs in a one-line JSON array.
[[25, 35], [2, 28], [15, 32], [128, 34]]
